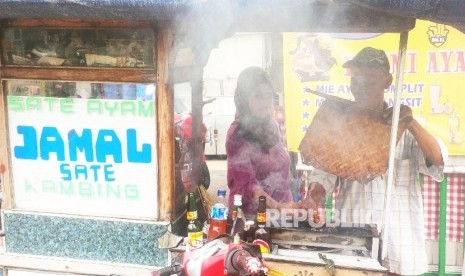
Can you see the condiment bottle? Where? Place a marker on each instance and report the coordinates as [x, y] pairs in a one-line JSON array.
[[194, 227], [238, 217], [262, 233], [249, 231]]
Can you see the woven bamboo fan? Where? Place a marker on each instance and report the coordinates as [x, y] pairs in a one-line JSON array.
[[348, 141]]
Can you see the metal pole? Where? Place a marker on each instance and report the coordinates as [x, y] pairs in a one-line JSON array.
[[393, 139], [442, 225]]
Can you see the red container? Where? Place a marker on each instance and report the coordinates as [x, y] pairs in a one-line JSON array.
[[217, 227]]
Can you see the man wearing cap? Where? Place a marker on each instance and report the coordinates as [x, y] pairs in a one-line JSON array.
[[417, 151]]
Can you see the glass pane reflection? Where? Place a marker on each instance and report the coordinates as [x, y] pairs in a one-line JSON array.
[[85, 90], [79, 47]]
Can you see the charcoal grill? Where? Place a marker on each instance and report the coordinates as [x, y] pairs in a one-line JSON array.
[[346, 239]]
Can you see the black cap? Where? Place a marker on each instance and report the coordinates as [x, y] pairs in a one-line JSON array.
[[369, 57]]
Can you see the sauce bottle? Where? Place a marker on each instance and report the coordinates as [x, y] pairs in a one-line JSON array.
[[262, 233], [194, 227], [238, 223]]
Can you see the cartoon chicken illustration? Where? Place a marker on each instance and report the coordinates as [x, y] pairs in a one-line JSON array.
[[311, 59]]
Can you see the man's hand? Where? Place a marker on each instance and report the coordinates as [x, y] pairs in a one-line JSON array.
[[405, 115], [316, 197], [428, 144]]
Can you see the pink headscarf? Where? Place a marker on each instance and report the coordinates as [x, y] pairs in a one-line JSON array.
[[262, 132]]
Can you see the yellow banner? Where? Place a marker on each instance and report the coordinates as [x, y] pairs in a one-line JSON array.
[[433, 82]]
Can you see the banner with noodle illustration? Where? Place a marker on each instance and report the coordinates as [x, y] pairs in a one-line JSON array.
[[433, 82]]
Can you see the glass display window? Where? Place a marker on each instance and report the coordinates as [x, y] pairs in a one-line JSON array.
[[80, 104], [75, 147], [116, 47]]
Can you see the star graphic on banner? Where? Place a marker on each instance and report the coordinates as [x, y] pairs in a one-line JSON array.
[[305, 115], [304, 128], [306, 102]]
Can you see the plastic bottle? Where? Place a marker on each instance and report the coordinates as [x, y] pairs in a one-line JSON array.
[[238, 217], [194, 227], [219, 217]]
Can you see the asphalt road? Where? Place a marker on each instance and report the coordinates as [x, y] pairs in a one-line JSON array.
[[217, 169]]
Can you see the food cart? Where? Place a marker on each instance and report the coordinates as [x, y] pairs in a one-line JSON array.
[[86, 140]]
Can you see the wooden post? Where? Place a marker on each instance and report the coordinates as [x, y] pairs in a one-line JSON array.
[[197, 120], [4, 160], [165, 132]]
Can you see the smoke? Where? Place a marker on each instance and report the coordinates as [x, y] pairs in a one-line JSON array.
[[200, 29]]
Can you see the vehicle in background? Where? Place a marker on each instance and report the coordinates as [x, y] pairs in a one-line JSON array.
[[217, 118]]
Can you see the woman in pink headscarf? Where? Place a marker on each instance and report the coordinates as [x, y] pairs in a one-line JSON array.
[[258, 162]]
